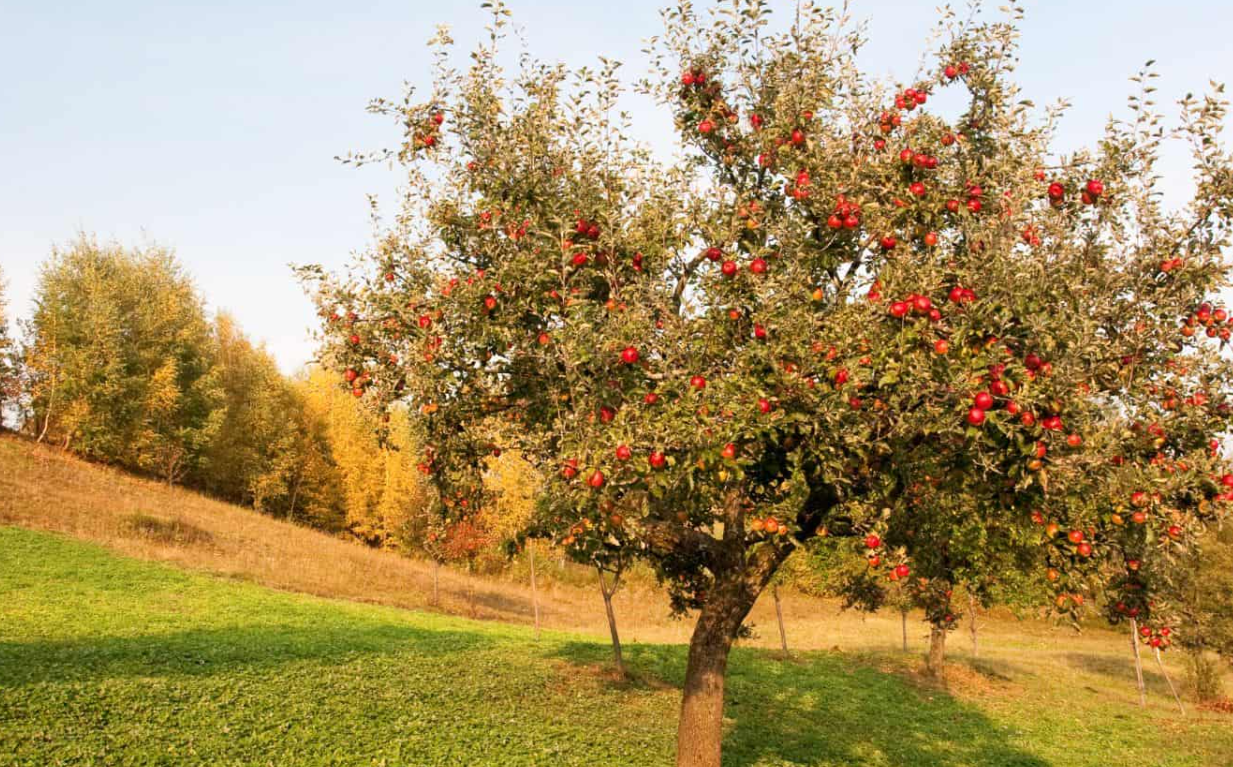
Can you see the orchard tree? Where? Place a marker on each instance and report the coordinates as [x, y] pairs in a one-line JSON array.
[[837, 307]]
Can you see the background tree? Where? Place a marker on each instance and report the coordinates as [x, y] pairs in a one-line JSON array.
[[271, 449], [380, 492], [835, 300], [9, 380], [120, 358]]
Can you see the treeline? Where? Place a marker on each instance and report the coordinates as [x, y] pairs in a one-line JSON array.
[[120, 363]]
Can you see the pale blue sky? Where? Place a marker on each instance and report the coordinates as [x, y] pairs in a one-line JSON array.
[[211, 127]]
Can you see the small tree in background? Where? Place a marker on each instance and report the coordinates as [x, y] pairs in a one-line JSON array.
[[837, 308], [9, 361]]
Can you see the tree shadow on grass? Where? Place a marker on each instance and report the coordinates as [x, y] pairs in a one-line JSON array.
[[204, 652], [1119, 668], [821, 709]]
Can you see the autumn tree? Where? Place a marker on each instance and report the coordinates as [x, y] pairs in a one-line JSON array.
[[271, 449], [9, 384], [836, 310], [120, 358], [378, 490]]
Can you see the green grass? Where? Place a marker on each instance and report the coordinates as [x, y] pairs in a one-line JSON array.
[[107, 660]]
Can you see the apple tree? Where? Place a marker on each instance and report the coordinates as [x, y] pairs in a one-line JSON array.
[[838, 312]]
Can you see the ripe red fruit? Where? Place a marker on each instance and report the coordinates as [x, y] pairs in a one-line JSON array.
[[764, 405], [1052, 423], [698, 382], [606, 414], [976, 416], [714, 254], [1056, 191], [917, 188], [1075, 536], [922, 304], [651, 398], [872, 541], [728, 268], [898, 309], [357, 392], [951, 72], [1074, 440], [983, 400], [623, 453], [596, 479], [798, 137], [952, 206], [350, 375], [758, 266], [1095, 188], [729, 451], [629, 355], [941, 346], [354, 339], [706, 126], [931, 239], [656, 459], [1084, 549], [903, 571], [841, 376], [570, 469], [1175, 531], [888, 242], [1227, 480]]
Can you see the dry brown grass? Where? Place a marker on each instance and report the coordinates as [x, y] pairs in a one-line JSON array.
[[43, 488]]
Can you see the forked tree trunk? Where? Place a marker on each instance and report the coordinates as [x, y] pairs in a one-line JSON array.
[[972, 610], [1172, 689], [700, 728], [783, 636], [612, 625], [903, 619], [534, 588], [937, 653], [1134, 642]]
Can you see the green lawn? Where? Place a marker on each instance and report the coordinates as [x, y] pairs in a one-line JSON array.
[[106, 660]]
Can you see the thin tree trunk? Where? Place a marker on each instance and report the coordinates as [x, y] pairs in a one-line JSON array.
[[937, 653], [612, 624], [1134, 642], [436, 583], [1172, 689], [534, 588], [903, 619], [972, 609], [783, 636]]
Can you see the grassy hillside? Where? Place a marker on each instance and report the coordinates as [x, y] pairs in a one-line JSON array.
[[109, 660]]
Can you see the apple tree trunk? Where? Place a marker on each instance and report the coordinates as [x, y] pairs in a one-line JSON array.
[[1134, 642], [783, 636], [700, 729], [608, 593], [937, 653], [534, 588], [903, 620], [972, 610]]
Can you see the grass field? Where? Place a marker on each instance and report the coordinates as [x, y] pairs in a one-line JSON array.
[[141, 624], [110, 660]]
